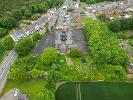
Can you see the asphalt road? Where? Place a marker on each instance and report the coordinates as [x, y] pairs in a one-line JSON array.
[[4, 68]]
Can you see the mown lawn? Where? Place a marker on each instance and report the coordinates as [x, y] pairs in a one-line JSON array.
[[95, 91], [2, 52], [31, 87]]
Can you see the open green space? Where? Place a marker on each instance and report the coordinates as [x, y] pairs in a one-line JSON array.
[[95, 91], [32, 87]]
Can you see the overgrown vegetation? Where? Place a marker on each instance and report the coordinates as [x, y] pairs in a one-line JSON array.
[[103, 44]]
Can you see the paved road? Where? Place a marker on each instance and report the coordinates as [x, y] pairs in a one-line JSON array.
[[4, 68]]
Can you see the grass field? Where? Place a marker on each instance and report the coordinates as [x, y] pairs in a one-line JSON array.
[[31, 87], [95, 91]]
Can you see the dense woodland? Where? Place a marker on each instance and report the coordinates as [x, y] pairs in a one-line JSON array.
[[9, 5], [12, 12]]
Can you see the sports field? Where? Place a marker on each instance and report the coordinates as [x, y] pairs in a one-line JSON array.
[[95, 91]]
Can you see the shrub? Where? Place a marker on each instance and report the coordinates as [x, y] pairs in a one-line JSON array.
[[35, 73], [122, 35], [131, 43], [121, 24], [75, 53], [113, 72]]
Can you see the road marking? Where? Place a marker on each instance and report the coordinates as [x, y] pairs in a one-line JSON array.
[[76, 91]]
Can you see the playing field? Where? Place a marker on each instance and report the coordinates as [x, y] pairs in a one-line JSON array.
[[95, 91]]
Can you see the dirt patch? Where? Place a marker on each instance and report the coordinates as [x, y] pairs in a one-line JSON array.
[[59, 84]]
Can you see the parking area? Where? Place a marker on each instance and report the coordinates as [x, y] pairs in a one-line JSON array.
[[80, 40], [47, 41]]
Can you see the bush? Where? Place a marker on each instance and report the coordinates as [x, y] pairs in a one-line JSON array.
[[121, 24], [35, 17], [122, 35], [70, 10], [24, 46], [45, 95], [131, 43], [27, 63], [18, 74], [75, 53], [130, 36], [3, 32], [8, 43], [35, 73], [36, 36], [113, 72], [115, 25], [49, 56]]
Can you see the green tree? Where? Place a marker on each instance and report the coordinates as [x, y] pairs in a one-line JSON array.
[[24, 46], [8, 22], [8, 43], [17, 14], [49, 56], [43, 7], [36, 36], [26, 12], [3, 32], [18, 74], [35, 8]]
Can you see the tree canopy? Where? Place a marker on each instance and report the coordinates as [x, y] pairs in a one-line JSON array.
[[24, 46], [49, 56], [8, 43], [103, 44]]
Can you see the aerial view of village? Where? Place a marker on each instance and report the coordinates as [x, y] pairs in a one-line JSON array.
[[66, 49]]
